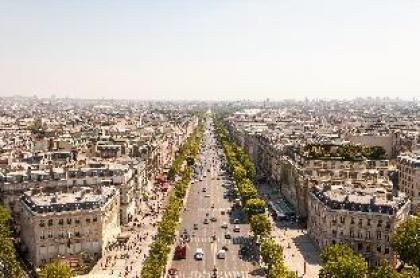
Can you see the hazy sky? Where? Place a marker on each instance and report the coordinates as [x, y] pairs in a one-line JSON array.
[[214, 49]]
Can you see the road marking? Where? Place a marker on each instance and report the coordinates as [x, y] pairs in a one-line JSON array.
[[207, 274], [209, 240]]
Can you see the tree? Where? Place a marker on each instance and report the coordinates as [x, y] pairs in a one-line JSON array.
[[385, 270], [271, 252], [339, 261], [239, 173], [255, 206], [260, 225], [279, 270], [9, 266], [247, 190], [55, 269], [406, 242]]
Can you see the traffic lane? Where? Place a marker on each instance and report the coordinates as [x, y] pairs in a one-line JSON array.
[[202, 238]]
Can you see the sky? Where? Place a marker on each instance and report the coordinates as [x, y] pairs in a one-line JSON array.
[[210, 50]]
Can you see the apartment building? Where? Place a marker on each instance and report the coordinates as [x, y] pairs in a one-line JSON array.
[[359, 214], [67, 223], [409, 176]]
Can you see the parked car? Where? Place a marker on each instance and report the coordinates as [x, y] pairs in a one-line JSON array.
[[236, 229]]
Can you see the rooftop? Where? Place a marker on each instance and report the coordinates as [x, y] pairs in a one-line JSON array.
[[85, 198], [371, 199]]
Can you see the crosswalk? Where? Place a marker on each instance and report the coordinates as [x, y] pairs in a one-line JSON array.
[[209, 240], [234, 240], [207, 274]]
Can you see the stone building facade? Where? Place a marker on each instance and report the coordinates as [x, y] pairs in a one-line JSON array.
[[66, 224], [362, 216]]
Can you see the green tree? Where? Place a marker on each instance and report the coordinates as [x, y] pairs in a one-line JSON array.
[[55, 269], [247, 190], [239, 173], [406, 241], [9, 266], [385, 270], [255, 206], [279, 270], [271, 252], [339, 261], [260, 225]]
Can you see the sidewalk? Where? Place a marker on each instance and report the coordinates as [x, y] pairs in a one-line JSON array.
[[298, 249], [126, 259]]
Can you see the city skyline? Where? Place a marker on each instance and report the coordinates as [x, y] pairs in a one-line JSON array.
[[213, 50]]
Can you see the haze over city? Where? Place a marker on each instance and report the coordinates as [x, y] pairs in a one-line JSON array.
[[210, 50], [210, 139]]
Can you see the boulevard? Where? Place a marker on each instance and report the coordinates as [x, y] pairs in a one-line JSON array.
[[208, 197]]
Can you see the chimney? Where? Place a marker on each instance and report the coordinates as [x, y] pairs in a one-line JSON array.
[[393, 175], [373, 200]]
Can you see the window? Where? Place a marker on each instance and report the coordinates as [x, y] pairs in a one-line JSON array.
[[50, 235], [94, 219], [69, 221], [386, 251], [351, 233], [359, 246], [387, 237], [50, 222], [342, 219], [360, 222], [77, 221], [378, 235], [379, 248], [77, 234], [368, 234], [42, 236], [42, 223], [352, 221], [379, 223], [60, 221], [368, 222], [87, 220]]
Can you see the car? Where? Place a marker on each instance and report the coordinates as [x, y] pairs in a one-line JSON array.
[[195, 226], [199, 254], [221, 254], [207, 195], [228, 236], [224, 225], [213, 219], [206, 221], [222, 212], [204, 189], [236, 221], [236, 229]]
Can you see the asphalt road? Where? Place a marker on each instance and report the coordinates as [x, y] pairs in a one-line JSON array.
[[198, 204]]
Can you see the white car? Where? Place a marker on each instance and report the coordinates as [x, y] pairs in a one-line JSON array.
[[224, 225], [199, 254], [221, 254]]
